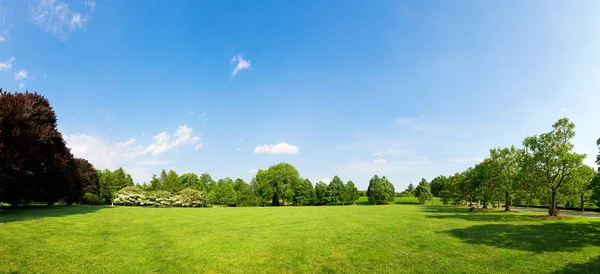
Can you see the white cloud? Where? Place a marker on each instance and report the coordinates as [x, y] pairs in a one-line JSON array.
[[163, 142], [2, 39], [198, 146], [6, 65], [241, 64], [325, 180], [21, 85], [281, 148], [380, 161], [90, 4], [57, 18], [22, 74], [253, 171], [563, 109], [238, 149], [377, 153]]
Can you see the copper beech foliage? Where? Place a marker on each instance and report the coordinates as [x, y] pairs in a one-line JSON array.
[[35, 163]]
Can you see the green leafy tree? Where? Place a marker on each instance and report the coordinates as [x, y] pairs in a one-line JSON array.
[[423, 191], [190, 180], [304, 193], [239, 184], [581, 184], [321, 194], [226, 193], [507, 162], [246, 195], [205, 182], [380, 190], [278, 178], [337, 191], [410, 188], [352, 192], [155, 183], [437, 184], [484, 180], [553, 156], [171, 182]]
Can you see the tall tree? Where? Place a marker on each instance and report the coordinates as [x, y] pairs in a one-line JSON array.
[[304, 193], [206, 182], [190, 180], [171, 182], [484, 180], [321, 193], [380, 190], [553, 156], [276, 181], [437, 184], [507, 162], [337, 190], [423, 191], [581, 183], [352, 192]]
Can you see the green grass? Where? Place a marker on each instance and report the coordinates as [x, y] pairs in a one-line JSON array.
[[400, 238]]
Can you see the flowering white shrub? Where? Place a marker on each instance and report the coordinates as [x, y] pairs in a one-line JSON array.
[[189, 198], [135, 196]]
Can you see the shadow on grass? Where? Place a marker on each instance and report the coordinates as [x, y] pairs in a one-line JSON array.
[[8, 215], [546, 236], [590, 267], [459, 212]]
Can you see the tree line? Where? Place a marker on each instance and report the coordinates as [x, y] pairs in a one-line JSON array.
[[544, 171], [37, 167]]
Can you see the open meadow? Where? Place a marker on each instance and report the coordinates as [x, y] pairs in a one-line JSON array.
[[400, 238]]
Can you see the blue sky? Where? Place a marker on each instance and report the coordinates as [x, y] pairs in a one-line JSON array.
[[405, 89]]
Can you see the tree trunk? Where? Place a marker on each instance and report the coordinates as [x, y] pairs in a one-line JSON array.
[[553, 211], [485, 203], [507, 205], [582, 203]]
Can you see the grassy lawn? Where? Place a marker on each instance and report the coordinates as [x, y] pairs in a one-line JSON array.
[[403, 238]]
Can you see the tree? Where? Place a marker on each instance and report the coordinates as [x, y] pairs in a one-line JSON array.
[[437, 184], [352, 192], [380, 190], [581, 183], [205, 182], [304, 193], [171, 182], [507, 161], [190, 180], [553, 156], [155, 183], [321, 193], [337, 191], [36, 164], [423, 191], [410, 188], [278, 178], [226, 193], [484, 180], [107, 189], [246, 195], [239, 185], [88, 176]]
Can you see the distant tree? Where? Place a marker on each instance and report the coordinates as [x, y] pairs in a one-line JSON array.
[[155, 183], [321, 194], [278, 178], [581, 183], [107, 189], [423, 191], [380, 190], [304, 193], [410, 188], [205, 182], [352, 192], [484, 180], [507, 163], [239, 184], [88, 176], [246, 195], [190, 180], [226, 193], [262, 186], [553, 155], [337, 191], [172, 183], [437, 185]]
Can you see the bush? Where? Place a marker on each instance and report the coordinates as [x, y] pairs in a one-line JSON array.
[[159, 198], [131, 196], [92, 199], [189, 198]]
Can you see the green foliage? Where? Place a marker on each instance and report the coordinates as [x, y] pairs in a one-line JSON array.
[[423, 191], [380, 190], [92, 199], [437, 185], [190, 180], [338, 194], [304, 193], [352, 192], [275, 183], [111, 182], [321, 193]]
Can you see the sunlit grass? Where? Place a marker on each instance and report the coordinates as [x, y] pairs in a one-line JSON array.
[[368, 239]]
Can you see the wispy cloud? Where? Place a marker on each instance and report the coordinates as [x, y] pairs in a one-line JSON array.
[[380, 161], [377, 153], [242, 64], [22, 74], [281, 148], [254, 171], [56, 18], [90, 4], [21, 85], [238, 149], [164, 142], [6, 65]]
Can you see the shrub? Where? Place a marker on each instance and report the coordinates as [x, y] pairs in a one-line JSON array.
[[159, 198], [92, 199], [189, 198], [131, 196]]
